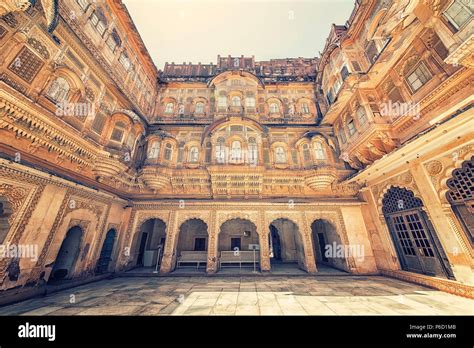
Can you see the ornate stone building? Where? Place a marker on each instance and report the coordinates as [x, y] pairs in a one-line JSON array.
[[109, 164]]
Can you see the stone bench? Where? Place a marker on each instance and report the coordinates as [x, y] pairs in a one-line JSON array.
[[193, 257], [238, 258]]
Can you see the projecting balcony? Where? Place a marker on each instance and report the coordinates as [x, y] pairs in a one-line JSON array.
[[108, 167], [155, 178], [321, 178]]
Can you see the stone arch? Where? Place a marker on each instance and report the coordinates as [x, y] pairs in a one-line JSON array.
[[68, 254], [150, 237], [326, 238], [234, 228], [88, 220], [192, 236], [74, 81], [287, 240], [106, 253], [448, 172], [406, 185]]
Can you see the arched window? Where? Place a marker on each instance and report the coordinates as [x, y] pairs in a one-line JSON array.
[[200, 108], [274, 108], [154, 150], [306, 154], [169, 108], [236, 101], [236, 152], [168, 152], [220, 150], [113, 41], [319, 151], [222, 101], [118, 132], [305, 108], [280, 155], [59, 89], [208, 152], [194, 155], [253, 151]]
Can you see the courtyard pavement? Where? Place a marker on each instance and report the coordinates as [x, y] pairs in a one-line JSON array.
[[333, 295]]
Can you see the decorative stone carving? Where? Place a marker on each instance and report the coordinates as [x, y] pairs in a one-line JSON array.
[[321, 178]]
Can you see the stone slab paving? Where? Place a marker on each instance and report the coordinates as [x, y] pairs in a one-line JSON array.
[[344, 295]]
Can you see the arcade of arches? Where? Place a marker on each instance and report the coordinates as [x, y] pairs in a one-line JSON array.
[[285, 164]]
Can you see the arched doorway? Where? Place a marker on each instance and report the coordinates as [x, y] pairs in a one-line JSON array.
[[5, 213], [327, 244], [106, 252], [151, 242], [461, 197], [67, 256], [192, 244], [238, 244], [285, 244], [414, 237]]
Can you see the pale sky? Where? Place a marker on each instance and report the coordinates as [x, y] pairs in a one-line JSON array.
[[198, 30]]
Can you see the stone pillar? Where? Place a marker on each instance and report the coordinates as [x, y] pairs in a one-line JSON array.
[[170, 245], [306, 236], [212, 245], [264, 251], [460, 262]]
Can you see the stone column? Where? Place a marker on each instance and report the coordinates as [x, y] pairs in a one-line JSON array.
[[460, 263], [264, 251], [212, 245], [170, 245], [306, 236]]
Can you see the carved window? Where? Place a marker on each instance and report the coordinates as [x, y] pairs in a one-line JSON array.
[[361, 115], [418, 77], [113, 41], [459, 13], [236, 151], [236, 101], [274, 108], [83, 4], [253, 151], [461, 196], [351, 127], [118, 132], [222, 101], [319, 151], [59, 90], [194, 154], [344, 73], [168, 152], [154, 150], [169, 108], [200, 108], [98, 21], [99, 122], [280, 155], [371, 51], [250, 102], [125, 61], [306, 153], [220, 150], [26, 65]]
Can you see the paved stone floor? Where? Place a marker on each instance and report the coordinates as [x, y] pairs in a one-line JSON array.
[[332, 295]]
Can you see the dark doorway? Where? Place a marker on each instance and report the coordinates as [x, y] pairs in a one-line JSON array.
[[322, 246], [275, 243], [67, 256], [236, 243], [200, 244], [106, 252], [414, 237], [141, 252]]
